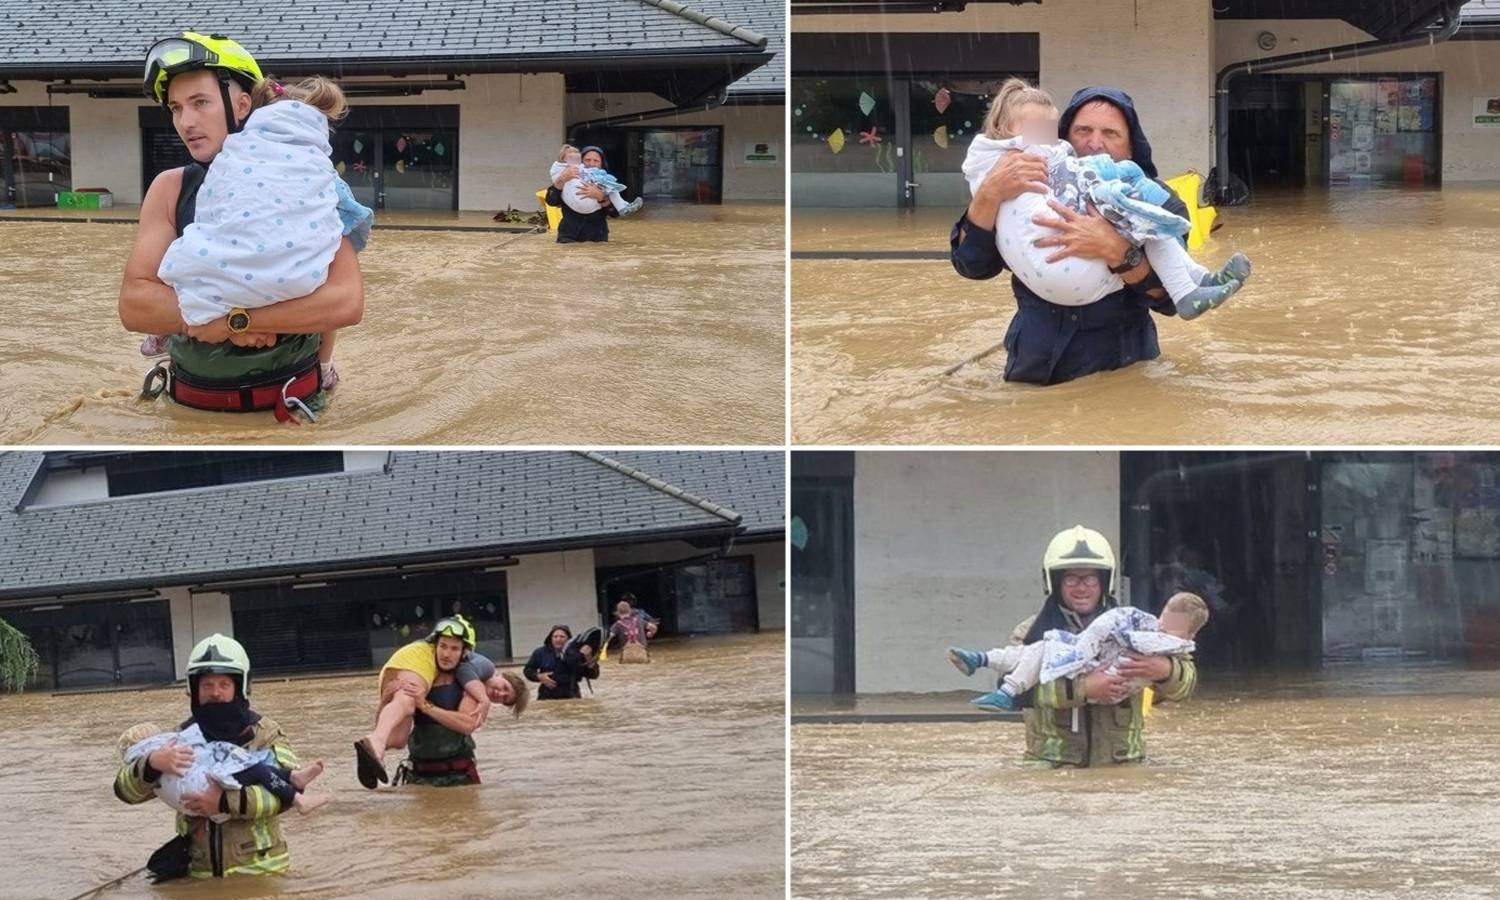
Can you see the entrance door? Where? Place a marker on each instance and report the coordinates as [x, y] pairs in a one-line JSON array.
[[716, 597], [682, 164], [85, 645]]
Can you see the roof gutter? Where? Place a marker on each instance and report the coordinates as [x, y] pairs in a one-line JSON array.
[[714, 102], [1227, 74]]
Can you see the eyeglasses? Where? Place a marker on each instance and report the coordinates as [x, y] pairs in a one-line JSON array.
[[1089, 580]]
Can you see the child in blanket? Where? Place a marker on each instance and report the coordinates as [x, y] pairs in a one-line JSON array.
[[270, 214], [570, 155], [1022, 117], [1062, 654], [228, 765]]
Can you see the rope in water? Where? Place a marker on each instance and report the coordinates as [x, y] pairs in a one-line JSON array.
[[108, 884]]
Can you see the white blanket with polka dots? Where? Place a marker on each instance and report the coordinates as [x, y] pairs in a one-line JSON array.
[[267, 222]]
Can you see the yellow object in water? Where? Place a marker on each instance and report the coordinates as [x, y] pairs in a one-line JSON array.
[[554, 213], [604, 650], [1189, 186], [1147, 696]]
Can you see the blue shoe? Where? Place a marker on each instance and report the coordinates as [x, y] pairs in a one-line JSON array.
[[965, 661], [996, 700]]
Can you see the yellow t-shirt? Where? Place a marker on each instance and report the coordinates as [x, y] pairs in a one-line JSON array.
[[418, 657]]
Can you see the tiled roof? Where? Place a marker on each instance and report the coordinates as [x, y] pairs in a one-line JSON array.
[[422, 504]]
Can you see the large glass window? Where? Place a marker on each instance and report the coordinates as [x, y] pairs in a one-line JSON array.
[[1382, 130], [945, 116], [36, 155], [843, 142]]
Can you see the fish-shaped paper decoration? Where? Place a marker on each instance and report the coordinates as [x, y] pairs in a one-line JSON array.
[[942, 99], [836, 140], [866, 103]]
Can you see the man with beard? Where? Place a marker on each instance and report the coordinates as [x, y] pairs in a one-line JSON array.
[[250, 842], [424, 706]]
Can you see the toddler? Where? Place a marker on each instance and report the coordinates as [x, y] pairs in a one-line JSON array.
[[228, 765], [572, 156]]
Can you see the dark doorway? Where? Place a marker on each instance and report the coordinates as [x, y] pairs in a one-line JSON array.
[[88, 644], [1268, 132], [705, 596], [1232, 528]]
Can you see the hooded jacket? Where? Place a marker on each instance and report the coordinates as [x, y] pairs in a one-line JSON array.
[[1050, 344], [566, 668], [1063, 728]]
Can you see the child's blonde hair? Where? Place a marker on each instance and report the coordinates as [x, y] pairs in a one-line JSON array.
[[135, 734], [522, 693], [562, 155], [1190, 605], [317, 91], [1013, 94]]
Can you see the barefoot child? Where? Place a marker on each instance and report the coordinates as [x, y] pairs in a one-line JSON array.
[[1062, 654], [269, 217], [225, 764], [1022, 117]]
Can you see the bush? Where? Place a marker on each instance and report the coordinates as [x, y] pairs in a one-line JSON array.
[[18, 661]]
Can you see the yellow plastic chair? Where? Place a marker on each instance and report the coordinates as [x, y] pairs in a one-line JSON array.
[[1189, 186], [554, 213]]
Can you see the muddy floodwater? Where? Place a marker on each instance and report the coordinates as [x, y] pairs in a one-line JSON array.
[[1369, 319], [1356, 782], [667, 782], [671, 333]]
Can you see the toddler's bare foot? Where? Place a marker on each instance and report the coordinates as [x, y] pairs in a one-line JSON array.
[[302, 777], [306, 803]]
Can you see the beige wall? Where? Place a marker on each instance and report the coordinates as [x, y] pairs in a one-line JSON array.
[[510, 127], [948, 549], [195, 617], [1469, 69], [1159, 52], [742, 125], [545, 589]]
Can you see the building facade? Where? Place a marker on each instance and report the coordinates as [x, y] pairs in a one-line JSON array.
[[457, 106], [1306, 558], [115, 564], [885, 97]]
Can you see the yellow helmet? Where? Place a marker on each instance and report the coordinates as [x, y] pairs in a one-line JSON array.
[[454, 626], [193, 51], [1078, 548]]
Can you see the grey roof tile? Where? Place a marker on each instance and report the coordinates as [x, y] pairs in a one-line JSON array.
[[768, 17], [101, 31], [424, 503]]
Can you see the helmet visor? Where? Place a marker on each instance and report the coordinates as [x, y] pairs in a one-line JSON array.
[[172, 56]]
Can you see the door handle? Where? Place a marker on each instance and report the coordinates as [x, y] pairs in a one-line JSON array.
[[912, 184]]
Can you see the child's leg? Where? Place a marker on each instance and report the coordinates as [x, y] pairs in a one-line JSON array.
[[306, 803], [1004, 659], [1182, 278], [325, 351], [1237, 269], [617, 201], [1027, 670], [271, 778]]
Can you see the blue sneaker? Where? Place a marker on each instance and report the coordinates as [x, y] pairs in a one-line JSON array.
[[966, 661], [996, 700]]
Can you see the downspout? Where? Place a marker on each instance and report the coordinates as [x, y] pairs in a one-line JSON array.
[[1306, 57], [714, 102]]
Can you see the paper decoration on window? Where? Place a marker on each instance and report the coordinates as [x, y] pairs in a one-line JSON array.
[[359, 146], [439, 149], [866, 103], [401, 166], [836, 140], [871, 137], [797, 112], [940, 136], [359, 166], [340, 167], [401, 144], [941, 100]]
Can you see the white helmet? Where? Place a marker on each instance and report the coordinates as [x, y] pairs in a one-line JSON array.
[[218, 655], [1078, 548]]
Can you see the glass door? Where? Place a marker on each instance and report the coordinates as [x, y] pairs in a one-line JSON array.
[[356, 157], [681, 164], [417, 169], [945, 116]]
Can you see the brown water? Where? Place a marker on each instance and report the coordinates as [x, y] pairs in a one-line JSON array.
[[1370, 319], [667, 782], [1356, 782], [672, 333]]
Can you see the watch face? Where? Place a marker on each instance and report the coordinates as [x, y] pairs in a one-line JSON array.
[[239, 321]]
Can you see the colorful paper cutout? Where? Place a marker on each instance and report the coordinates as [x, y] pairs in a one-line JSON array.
[[941, 100], [836, 140], [940, 136], [866, 103], [871, 137]]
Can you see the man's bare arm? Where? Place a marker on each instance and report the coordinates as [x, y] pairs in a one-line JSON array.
[[147, 304]]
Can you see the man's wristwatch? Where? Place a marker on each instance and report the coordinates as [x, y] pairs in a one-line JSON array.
[[239, 320], [1133, 257]]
